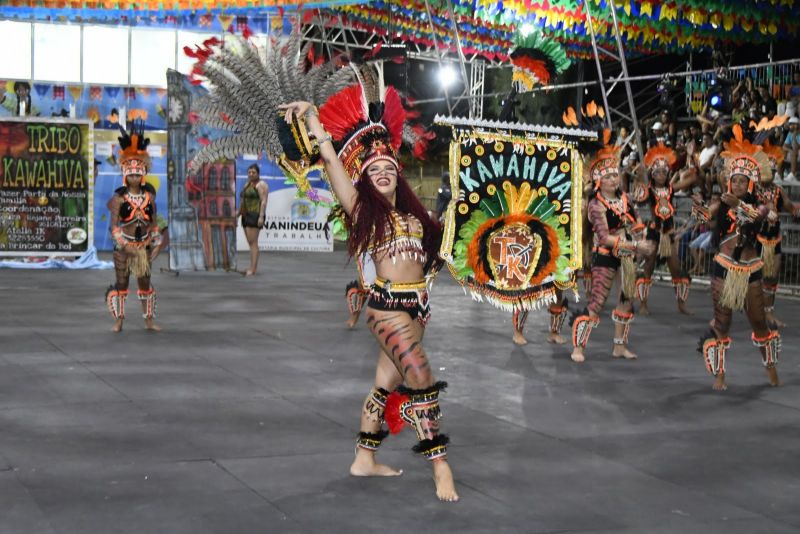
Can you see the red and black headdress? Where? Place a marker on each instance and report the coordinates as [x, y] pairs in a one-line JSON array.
[[133, 156], [364, 132]]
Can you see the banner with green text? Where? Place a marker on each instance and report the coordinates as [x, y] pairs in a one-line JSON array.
[[46, 186]]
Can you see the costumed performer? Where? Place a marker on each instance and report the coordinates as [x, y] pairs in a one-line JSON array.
[[659, 193], [134, 229], [617, 238], [387, 221], [736, 282]]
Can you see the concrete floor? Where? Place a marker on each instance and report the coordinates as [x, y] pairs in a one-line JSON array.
[[240, 416]]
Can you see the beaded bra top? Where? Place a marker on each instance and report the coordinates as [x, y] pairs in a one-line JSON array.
[[406, 243]]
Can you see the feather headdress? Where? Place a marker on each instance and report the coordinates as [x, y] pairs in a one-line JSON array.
[[660, 157], [763, 132], [364, 131], [745, 158], [604, 156], [247, 90], [133, 156], [537, 60]]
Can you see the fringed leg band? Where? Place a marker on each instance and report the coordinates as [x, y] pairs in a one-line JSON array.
[[355, 297], [643, 288], [371, 440], [681, 286], [419, 409], [115, 299], [582, 325], [770, 346], [625, 320], [433, 448], [148, 296], [713, 350], [558, 313], [518, 318]]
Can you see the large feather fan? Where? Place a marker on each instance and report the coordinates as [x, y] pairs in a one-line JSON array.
[[247, 90]]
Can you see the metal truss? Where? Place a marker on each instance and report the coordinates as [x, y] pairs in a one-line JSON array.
[[623, 78], [477, 76], [336, 36]]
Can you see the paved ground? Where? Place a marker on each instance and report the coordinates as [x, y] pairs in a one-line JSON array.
[[240, 416]]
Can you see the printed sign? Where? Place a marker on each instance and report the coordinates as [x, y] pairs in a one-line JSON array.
[[46, 187], [510, 234]]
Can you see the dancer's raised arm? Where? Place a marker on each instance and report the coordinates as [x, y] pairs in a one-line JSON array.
[[341, 182]]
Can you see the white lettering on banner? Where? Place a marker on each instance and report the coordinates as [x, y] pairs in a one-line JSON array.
[[546, 174]]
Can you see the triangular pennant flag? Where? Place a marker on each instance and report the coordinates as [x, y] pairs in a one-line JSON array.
[[112, 91], [225, 21], [95, 92], [59, 91], [145, 91], [130, 93], [76, 91], [41, 88]]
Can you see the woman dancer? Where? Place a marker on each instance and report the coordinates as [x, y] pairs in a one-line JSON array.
[[388, 221], [252, 209], [776, 201], [659, 193], [617, 239], [737, 269], [134, 229]]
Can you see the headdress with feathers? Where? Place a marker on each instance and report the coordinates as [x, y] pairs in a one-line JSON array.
[[537, 60], [133, 156], [763, 132], [660, 157], [604, 156], [246, 92], [743, 157], [364, 131]]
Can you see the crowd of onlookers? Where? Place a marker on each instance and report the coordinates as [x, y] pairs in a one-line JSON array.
[[699, 140]]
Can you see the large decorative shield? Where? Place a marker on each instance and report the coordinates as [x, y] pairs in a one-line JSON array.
[[513, 229]]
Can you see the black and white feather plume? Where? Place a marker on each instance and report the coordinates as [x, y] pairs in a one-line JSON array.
[[246, 90]]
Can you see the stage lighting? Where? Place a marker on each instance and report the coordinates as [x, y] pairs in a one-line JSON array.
[[447, 76]]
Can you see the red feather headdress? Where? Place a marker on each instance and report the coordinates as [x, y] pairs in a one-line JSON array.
[[364, 132]]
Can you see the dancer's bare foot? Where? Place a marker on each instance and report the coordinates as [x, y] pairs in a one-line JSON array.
[[643, 309], [352, 321], [621, 351], [557, 339], [248, 272], [150, 325], [577, 355], [443, 478], [772, 376], [719, 382], [519, 339], [365, 465], [117, 326], [682, 308]]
